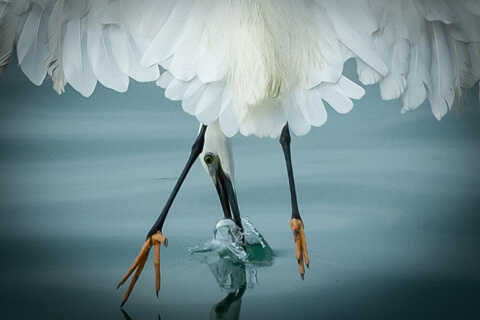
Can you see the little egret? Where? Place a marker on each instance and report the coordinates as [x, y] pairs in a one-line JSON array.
[[258, 67]]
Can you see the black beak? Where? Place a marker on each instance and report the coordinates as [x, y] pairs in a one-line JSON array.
[[228, 196]]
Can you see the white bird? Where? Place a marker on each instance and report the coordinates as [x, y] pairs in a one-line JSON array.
[[258, 67]]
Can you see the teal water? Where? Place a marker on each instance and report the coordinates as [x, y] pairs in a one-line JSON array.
[[390, 204]]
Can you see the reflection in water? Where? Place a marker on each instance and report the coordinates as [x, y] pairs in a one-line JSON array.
[[229, 307], [128, 317], [125, 314], [232, 278], [232, 275], [233, 265]]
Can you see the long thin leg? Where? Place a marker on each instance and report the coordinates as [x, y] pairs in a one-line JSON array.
[[285, 140], [296, 223], [197, 149], [155, 237]]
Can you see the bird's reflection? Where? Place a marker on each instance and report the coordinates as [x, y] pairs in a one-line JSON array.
[[127, 316], [229, 307], [234, 267], [233, 278]]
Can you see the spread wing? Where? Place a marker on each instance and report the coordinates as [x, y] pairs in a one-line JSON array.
[[430, 47], [85, 42], [224, 59]]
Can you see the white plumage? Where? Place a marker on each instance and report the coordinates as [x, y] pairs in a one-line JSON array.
[[248, 66], [252, 65]]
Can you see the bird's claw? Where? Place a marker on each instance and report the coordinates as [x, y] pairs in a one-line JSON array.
[[300, 245], [155, 240]]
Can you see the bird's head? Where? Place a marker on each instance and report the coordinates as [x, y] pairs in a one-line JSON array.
[[217, 160], [213, 165], [216, 156]]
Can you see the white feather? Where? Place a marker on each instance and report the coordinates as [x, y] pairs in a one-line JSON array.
[[418, 76], [168, 38], [190, 102], [335, 98], [295, 117], [253, 65], [313, 109], [103, 61], [136, 70], [355, 41], [350, 89], [210, 103], [395, 83], [366, 74], [442, 91], [119, 48], [228, 121], [176, 89], [165, 79], [76, 65], [31, 47], [8, 32]]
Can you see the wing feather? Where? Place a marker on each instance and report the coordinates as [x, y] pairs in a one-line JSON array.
[[208, 106], [426, 45], [251, 65], [313, 109], [76, 64], [104, 64], [31, 48], [293, 111], [165, 41], [176, 89], [442, 92], [9, 24]]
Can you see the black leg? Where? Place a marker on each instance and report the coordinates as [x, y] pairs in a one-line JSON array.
[[197, 148], [296, 223], [285, 140], [155, 238]]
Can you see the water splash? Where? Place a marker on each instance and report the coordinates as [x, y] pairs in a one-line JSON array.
[[232, 262], [227, 244]]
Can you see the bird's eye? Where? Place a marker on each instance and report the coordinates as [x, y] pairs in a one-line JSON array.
[[208, 159]]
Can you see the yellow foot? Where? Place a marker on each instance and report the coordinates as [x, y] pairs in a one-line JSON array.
[[300, 245], [156, 240]]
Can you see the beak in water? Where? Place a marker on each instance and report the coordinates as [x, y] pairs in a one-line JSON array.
[[225, 189]]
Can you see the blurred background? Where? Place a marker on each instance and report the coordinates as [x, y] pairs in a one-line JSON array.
[[390, 203]]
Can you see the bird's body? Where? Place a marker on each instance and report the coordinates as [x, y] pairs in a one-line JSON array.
[[258, 67]]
